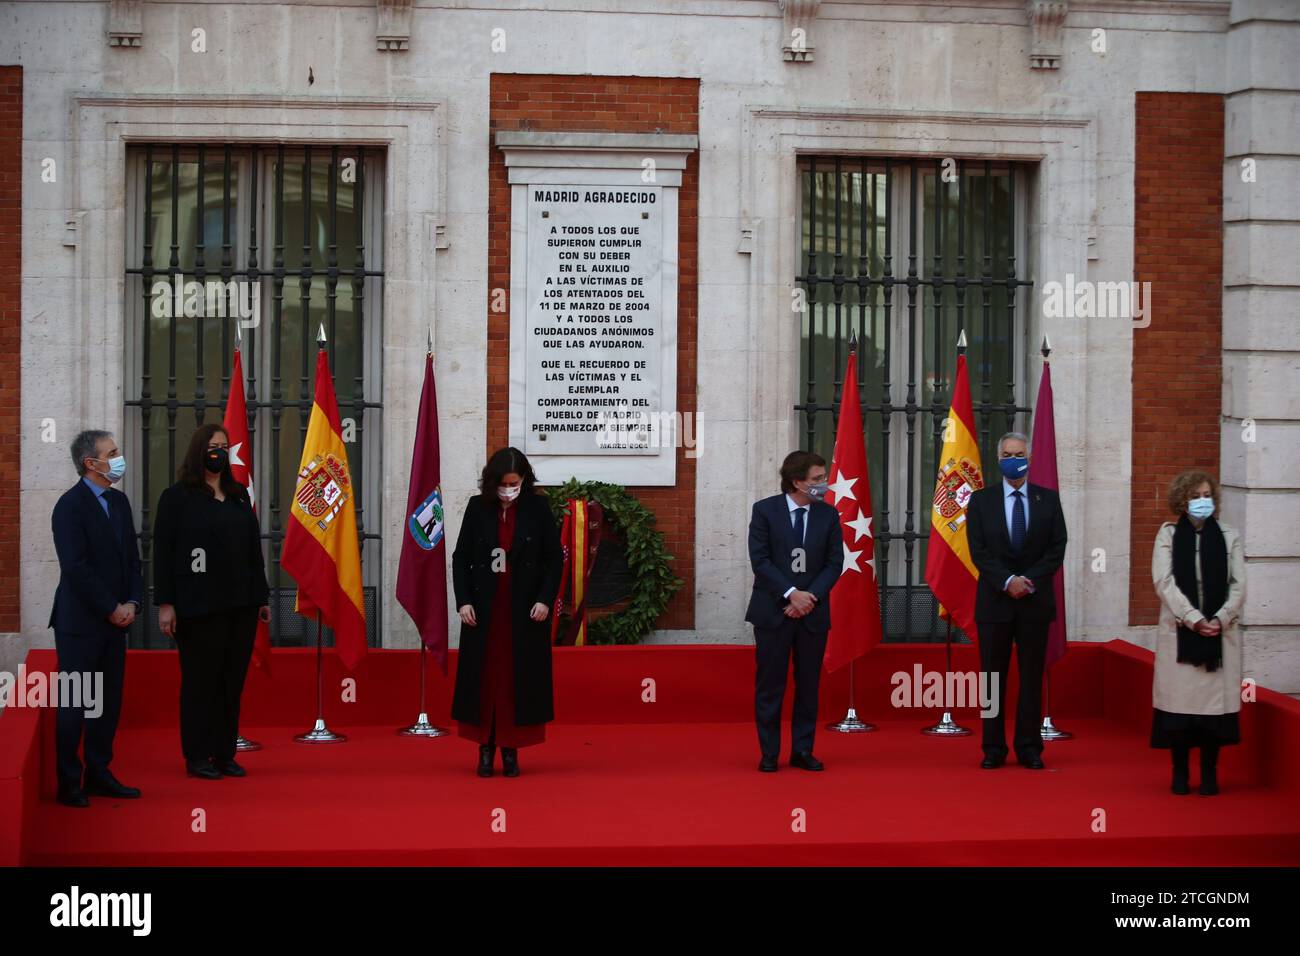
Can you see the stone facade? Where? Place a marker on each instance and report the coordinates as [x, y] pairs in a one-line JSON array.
[[1055, 84]]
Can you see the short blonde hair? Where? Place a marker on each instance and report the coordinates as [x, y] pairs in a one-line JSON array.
[[1182, 487]]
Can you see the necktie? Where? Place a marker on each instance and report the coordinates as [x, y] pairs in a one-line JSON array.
[[1017, 521], [798, 526]]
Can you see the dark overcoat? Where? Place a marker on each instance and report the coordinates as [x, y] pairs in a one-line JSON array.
[[535, 560]]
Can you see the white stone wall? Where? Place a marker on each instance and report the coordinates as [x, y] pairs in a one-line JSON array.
[[1261, 334], [918, 77]]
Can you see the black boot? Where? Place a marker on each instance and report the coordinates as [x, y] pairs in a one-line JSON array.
[[485, 754], [510, 761], [1181, 773], [1209, 766]]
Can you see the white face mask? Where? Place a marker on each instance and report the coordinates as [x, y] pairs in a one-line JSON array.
[[508, 494]]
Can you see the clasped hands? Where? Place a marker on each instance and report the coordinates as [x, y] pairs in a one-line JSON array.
[[1019, 586], [1209, 627], [801, 603], [123, 615]]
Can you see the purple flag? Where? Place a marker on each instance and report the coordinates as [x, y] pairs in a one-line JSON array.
[[1042, 471], [422, 570]]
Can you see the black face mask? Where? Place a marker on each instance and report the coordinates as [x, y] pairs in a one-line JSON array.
[[216, 460]]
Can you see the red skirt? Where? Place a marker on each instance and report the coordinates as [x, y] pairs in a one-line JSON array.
[[497, 690]]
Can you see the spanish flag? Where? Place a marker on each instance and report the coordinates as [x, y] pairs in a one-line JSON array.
[[320, 543], [949, 570]]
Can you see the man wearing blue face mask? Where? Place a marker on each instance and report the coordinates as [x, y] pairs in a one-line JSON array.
[[1016, 533], [98, 596]]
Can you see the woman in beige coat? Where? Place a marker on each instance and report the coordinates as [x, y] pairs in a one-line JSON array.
[[1200, 575]]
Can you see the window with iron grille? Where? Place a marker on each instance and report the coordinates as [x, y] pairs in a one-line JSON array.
[[905, 254], [295, 233]]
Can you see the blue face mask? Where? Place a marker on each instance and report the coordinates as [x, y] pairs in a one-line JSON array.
[[1200, 508], [116, 468], [1013, 468]]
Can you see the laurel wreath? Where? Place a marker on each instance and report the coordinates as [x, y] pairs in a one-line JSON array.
[[647, 558]]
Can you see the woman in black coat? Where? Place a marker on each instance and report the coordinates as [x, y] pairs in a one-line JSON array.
[[506, 573], [210, 587]]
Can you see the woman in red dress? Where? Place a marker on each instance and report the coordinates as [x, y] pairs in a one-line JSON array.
[[506, 572]]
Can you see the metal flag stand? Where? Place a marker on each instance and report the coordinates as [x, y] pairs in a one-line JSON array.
[[946, 727], [1049, 730], [851, 724], [422, 727], [320, 734]]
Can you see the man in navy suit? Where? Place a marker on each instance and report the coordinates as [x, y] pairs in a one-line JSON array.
[[99, 594], [1016, 533], [796, 549]]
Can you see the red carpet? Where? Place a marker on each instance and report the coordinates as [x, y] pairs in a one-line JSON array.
[[621, 781]]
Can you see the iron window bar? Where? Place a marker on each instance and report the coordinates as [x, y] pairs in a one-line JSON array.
[[875, 294], [144, 632]]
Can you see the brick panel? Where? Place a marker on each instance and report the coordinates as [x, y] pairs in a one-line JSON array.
[[610, 104], [11, 223], [1177, 362]]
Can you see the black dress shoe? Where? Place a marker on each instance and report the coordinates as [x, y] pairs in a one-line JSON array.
[[73, 798], [1032, 762], [510, 761], [109, 786], [228, 768], [806, 760], [767, 764], [992, 763], [485, 754], [1180, 784], [1209, 783], [202, 769]]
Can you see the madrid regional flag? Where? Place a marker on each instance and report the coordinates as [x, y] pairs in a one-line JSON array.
[[949, 570], [855, 598], [241, 466], [320, 545]]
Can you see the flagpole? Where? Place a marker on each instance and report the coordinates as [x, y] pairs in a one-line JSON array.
[[422, 727], [851, 724], [242, 743], [1049, 731], [320, 734], [947, 727]]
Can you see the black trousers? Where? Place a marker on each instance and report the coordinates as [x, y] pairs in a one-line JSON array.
[[774, 649], [89, 654], [214, 650], [1029, 634]]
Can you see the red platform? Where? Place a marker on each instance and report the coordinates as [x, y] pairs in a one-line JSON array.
[[625, 781]]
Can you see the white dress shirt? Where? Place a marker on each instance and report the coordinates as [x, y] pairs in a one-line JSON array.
[[792, 505]]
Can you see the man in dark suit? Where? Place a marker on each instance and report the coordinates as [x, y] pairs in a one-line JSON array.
[[99, 594], [1017, 540], [796, 549]]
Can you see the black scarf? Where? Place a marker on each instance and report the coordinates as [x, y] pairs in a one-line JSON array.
[[1194, 648]]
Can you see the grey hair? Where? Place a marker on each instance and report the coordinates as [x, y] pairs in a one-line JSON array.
[[1014, 436], [85, 445]]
